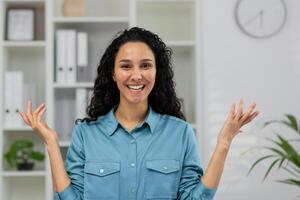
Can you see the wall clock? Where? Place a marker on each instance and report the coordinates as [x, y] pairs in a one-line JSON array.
[[260, 18]]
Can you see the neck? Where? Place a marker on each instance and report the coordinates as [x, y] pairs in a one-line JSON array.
[[132, 113]]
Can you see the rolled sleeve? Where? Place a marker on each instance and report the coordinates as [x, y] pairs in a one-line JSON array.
[[191, 187], [68, 193], [74, 164]]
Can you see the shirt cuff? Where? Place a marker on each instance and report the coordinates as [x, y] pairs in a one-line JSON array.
[[206, 193], [67, 194]]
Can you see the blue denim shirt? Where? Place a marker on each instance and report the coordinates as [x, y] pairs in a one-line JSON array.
[[158, 159]]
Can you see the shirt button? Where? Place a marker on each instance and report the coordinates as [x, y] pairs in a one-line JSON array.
[[132, 141], [132, 164], [165, 167], [132, 190], [101, 171]]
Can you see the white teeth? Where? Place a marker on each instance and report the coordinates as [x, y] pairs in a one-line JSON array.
[[135, 87]]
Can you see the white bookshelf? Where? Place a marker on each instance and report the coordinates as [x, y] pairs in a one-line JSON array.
[[24, 174], [75, 85], [91, 20], [32, 44], [173, 20], [16, 129]]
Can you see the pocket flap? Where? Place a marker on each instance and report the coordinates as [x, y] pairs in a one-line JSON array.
[[102, 168], [163, 166]]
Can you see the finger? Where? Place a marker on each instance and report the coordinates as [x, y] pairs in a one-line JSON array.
[[240, 110], [251, 117], [249, 111], [40, 114], [231, 111], [25, 118], [29, 108], [34, 116], [39, 108]]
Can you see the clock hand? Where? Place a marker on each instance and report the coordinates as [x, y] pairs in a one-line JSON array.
[[261, 19], [252, 19]]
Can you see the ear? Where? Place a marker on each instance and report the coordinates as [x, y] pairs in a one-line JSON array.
[[113, 76]]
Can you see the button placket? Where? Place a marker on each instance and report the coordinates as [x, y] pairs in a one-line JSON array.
[[132, 170]]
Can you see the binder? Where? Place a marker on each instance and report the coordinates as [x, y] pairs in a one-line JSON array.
[[82, 57], [8, 96], [71, 56], [13, 99], [18, 100], [60, 55]]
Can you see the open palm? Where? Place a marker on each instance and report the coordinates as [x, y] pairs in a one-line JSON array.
[[34, 120], [236, 119]]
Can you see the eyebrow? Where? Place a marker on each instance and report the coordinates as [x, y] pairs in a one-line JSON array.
[[143, 60]]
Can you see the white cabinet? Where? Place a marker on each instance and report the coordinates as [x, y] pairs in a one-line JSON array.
[[173, 20]]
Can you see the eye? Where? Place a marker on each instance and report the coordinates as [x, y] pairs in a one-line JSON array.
[[125, 66], [146, 65]]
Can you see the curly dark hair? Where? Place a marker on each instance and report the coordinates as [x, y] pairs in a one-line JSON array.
[[106, 94]]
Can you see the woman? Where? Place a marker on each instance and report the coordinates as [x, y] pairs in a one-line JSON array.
[[135, 142]]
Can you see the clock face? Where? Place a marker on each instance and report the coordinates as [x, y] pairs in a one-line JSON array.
[[260, 18]]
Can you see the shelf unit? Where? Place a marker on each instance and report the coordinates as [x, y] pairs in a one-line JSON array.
[[173, 20]]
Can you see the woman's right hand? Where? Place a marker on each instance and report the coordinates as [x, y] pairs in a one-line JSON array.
[[34, 120]]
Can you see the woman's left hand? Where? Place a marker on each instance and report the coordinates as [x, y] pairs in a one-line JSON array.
[[236, 119]]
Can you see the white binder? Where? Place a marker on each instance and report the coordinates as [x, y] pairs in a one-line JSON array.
[[82, 57], [18, 98], [8, 97], [13, 99], [60, 69], [71, 56]]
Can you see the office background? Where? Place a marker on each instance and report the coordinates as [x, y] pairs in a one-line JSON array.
[[215, 64]]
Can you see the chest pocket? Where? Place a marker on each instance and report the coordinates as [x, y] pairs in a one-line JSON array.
[[162, 179], [102, 180]]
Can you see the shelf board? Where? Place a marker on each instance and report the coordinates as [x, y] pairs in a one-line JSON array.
[[24, 43], [187, 43], [74, 85], [25, 128], [23, 1], [23, 173], [91, 20], [165, 1]]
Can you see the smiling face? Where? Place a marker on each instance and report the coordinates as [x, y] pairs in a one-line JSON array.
[[134, 72]]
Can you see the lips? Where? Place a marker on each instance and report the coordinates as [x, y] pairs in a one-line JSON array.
[[136, 87]]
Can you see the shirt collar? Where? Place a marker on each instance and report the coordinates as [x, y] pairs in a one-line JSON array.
[[111, 122], [151, 119]]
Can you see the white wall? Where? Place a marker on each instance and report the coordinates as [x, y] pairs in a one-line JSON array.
[[266, 71]]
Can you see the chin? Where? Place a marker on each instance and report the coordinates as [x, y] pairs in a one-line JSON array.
[[136, 100]]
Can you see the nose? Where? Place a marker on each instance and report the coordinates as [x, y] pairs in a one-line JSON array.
[[136, 75]]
